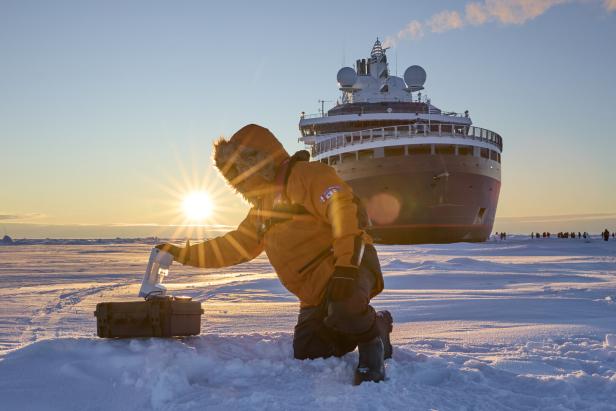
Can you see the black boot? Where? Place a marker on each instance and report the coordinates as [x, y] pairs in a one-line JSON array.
[[384, 323], [371, 365]]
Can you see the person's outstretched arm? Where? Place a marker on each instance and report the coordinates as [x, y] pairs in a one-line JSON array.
[[237, 246]]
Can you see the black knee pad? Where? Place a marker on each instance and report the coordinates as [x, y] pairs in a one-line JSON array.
[[310, 340], [354, 321]]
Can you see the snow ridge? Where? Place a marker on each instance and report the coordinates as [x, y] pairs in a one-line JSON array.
[[256, 371]]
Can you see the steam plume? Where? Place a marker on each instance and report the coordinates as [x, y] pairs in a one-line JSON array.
[[445, 21]]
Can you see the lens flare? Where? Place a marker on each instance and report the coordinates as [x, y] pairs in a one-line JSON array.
[[383, 208], [197, 206]]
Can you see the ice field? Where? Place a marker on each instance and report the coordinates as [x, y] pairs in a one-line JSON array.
[[514, 325]]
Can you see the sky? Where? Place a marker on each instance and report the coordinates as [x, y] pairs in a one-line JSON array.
[[108, 110]]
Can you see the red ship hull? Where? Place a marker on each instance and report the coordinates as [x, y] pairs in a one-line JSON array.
[[426, 198]]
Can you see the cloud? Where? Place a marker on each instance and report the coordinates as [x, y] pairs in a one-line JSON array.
[[560, 218], [477, 13], [156, 225], [28, 216]]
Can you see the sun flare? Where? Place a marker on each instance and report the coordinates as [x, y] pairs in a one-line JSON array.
[[197, 206]]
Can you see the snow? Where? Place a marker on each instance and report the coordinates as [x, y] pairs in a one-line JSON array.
[[512, 325]]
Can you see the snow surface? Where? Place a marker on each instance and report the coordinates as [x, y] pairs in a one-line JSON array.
[[513, 325]]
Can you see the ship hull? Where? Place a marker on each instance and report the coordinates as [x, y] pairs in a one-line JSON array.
[[426, 198]]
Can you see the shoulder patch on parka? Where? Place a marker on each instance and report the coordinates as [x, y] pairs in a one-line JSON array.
[[329, 192]]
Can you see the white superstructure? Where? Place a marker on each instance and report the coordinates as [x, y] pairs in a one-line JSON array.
[[377, 109]]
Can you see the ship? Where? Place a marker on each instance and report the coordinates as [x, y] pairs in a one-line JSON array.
[[424, 175]]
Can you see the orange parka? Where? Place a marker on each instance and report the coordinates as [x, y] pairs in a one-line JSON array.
[[303, 246]]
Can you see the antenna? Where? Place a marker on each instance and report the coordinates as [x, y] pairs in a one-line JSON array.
[[396, 62], [322, 102], [429, 110]]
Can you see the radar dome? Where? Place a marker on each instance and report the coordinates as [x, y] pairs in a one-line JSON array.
[[346, 77], [415, 76]]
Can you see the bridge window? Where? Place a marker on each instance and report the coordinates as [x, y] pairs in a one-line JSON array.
[[444, 149], [419, 128], [465, 150], [394, 151], [346, 157], [493, 155], [365, 154], [420, 149], [459, 130], [485, 153]]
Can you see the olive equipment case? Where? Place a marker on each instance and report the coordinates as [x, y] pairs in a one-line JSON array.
[[157, 317]]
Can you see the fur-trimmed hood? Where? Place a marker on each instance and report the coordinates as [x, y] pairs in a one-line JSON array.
[[251, 151]]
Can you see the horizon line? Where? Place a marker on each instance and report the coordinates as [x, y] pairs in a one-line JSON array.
[[550, 217]]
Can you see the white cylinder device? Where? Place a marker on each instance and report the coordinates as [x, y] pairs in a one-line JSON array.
[[157, 270]]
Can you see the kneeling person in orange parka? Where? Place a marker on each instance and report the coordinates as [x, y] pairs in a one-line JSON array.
[[310, 225]]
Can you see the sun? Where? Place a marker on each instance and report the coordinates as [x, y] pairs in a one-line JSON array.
[[197, 206]]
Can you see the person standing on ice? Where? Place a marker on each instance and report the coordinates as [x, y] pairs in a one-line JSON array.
[[311, 226]]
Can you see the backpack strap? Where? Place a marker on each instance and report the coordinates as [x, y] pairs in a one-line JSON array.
[[282, 178]]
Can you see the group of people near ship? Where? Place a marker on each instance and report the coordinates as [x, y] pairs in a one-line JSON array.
[[605, 234]]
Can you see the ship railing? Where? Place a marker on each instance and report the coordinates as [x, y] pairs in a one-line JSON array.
[[433, 110], [339, 140], [360, 111], [315, 115]]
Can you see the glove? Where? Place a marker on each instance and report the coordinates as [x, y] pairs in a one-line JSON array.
[[180, 254], [342, 284]]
